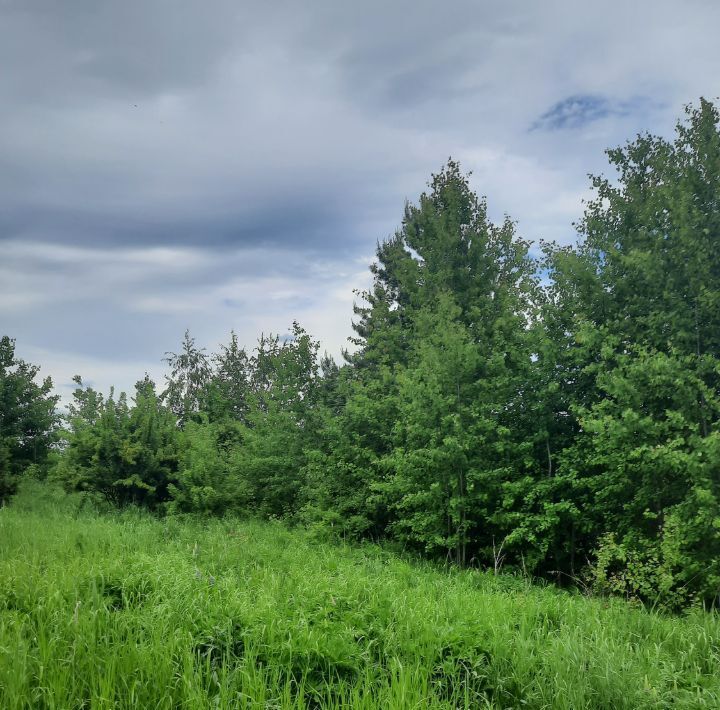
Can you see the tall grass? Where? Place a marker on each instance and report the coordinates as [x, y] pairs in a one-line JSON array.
[[126, 611]]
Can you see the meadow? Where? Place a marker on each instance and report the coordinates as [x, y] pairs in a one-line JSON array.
[[123, 610]]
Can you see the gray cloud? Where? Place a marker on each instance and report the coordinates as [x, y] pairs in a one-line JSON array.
[[79, 51], [225, 164]]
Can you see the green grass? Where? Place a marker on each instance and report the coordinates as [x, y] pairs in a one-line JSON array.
[[123, 610]]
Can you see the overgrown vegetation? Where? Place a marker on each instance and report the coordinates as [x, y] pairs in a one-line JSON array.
[[126, 610], [558, 415]]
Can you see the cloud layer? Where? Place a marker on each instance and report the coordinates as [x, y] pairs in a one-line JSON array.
[[231, 165]]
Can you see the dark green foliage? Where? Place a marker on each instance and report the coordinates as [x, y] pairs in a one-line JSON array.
[[228, 390], [28, 420], [209, 479], [447, 330], [250, 454], [280, 421], [343, 471], [650, 251]]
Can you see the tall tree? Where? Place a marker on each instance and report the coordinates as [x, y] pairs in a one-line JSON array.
[[443, 346], [645, 290], [438, 454], [229, 387], [280, 422], [445, 245]]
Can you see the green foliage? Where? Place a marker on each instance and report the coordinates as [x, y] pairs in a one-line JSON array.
[[28, 420], [127, 454], [229, 388], [640, 568], [447, 330], [208, 480], [439, 454], [343, 471], [651, 241], [250, 453], [642, 349], [280, 422]]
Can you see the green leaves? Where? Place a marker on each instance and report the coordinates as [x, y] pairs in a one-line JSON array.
[[188, 381], [640, 307]]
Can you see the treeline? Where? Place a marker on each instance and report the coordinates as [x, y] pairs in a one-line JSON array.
[[553, 410]]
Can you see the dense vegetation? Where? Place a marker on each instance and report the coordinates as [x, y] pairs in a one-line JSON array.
[[556, 411], [131, 611]]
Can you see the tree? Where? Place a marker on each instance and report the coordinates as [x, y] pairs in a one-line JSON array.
[[279, 422], [229, 388], [247, 451], [650, 247], [153, 448], [188, 381], [438, 450], [444, 346], [644, 290], [354, 425], [210, 479], [28, 418], [446, 245], [127, 454]]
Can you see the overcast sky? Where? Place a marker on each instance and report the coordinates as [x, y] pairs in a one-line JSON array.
[[223, 164]]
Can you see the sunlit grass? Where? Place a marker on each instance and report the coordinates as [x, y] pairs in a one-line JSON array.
[[123, 610]]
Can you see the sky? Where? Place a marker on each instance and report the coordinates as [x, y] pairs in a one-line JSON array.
[[219, 164]]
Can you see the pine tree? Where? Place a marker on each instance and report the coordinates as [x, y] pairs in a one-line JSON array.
[[229, 387]]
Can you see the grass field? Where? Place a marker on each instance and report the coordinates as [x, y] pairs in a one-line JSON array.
[[105, 611]]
